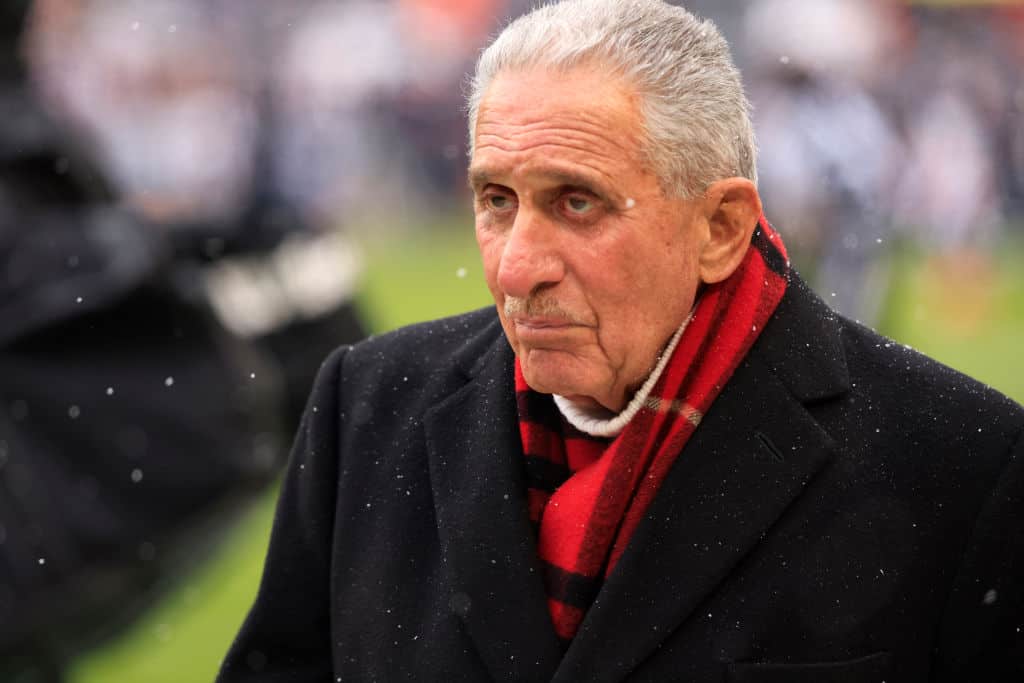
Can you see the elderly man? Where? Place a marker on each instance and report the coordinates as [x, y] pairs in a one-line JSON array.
[[661, 457]]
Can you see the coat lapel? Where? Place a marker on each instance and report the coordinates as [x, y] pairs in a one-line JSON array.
[[488, 544], [753, 454]]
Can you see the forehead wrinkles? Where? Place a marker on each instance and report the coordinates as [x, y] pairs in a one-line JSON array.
[[598, 141], [604, 147], [582, 113]]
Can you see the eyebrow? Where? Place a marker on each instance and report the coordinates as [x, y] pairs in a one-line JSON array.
[[478, 177]]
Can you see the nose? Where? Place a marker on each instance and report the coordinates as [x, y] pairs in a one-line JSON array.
[[530, 258]]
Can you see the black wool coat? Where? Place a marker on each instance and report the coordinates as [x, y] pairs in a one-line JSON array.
[[848, 510]]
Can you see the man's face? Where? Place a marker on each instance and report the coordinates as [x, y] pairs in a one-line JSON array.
[[591, 266]]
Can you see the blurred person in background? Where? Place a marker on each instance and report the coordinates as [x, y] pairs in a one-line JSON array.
[[440, 39], [1009, 29], [333, 141], [166, 309], [369, 101], [180, 103], [884, 122], [829, 152], [133, 425], [955, 91], [951, 98]]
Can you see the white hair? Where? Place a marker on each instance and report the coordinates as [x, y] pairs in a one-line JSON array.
[[696, 118]]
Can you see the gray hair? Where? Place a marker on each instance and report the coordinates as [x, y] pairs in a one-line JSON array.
[[696, 117]]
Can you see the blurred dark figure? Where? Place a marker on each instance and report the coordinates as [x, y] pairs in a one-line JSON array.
[[186, 119], [132, 422], [1010, 30]]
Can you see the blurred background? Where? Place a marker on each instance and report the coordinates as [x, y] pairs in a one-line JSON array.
[[200, 198]]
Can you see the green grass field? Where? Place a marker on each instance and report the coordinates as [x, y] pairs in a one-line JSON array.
[[972, 320]]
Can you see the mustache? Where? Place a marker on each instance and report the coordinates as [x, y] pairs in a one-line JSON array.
[[540, 307]]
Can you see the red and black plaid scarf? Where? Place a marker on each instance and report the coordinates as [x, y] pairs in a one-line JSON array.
[[587, 494]]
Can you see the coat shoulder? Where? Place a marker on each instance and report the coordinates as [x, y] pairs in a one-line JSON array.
[[920, 393], [880, 358], [416, 364], [430, 346]]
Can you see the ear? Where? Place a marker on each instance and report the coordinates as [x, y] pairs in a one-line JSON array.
[[732, 207]]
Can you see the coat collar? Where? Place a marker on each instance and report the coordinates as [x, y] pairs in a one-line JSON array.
[[755, 451], [803, 345], [476, 473]]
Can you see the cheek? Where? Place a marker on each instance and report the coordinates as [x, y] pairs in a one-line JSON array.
[[644, 295], [491, 247]]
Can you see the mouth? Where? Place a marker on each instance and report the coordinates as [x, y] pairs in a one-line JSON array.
[[545, 332], [541, 323]]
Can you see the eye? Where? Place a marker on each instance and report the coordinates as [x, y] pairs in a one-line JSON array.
[[498, 202], [579, 205]]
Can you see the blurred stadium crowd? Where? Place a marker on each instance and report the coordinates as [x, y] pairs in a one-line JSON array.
[[181, 178], [876, 118]]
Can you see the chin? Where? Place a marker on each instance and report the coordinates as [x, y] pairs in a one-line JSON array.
[[555, 372]]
